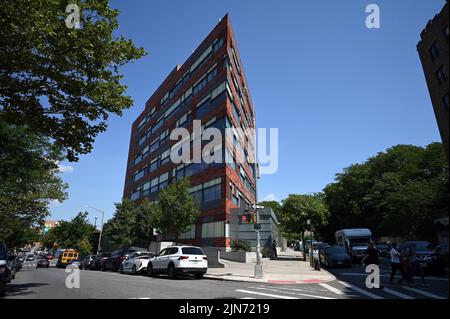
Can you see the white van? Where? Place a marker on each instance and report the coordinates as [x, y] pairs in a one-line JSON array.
[[354, 241]]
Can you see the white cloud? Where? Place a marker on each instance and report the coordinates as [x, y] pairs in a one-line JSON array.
[[65, 168], [270, 197], [54, 203]]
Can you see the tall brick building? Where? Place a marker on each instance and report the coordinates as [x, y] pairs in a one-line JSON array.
[[433, 50], [210, 86]]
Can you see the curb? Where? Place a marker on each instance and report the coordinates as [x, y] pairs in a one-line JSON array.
[[269, 281]]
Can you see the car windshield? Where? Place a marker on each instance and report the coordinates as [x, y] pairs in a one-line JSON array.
[[421, 245], [192, 251], [2, 253], [335, 250]]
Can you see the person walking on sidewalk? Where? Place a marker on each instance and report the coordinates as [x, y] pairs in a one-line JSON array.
[[395, 264], [274, 248]]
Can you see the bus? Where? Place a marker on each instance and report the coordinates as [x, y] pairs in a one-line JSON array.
[[354, 241], [66, 256]]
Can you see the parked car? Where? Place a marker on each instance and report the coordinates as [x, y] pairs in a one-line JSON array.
[[136, 263], [6, 272], [427, 257], [30, 257], [100, 260], [117, 257], [42, 262], [177, 260], [87, 262], [335, 256], [18, 264]]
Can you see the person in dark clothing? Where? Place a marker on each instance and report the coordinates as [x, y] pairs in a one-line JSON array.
[[274, 248], [371, 256]]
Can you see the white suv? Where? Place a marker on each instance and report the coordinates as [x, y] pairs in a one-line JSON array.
[[176, 260]]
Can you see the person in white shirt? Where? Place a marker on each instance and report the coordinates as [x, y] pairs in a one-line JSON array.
[[396, 264]]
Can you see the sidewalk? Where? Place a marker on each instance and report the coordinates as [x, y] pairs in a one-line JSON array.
[[289, 268]]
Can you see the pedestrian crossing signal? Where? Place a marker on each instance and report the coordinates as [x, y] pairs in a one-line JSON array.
[[247, 218]]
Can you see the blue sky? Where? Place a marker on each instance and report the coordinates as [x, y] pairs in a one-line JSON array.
[[337, 91]]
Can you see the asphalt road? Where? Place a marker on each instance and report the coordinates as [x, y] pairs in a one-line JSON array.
[[350, 283]]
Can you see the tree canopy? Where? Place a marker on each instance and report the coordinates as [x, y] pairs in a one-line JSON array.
[[121, 229], [398, 192], [63, 83], [179, 209], [29, 181], [76, 234]]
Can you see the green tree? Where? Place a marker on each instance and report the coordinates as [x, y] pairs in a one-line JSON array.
[[148, 218], [63, 83], [121, 229], [29, 181], [179, 209], [76, 234], [398, 192], [295, 212]]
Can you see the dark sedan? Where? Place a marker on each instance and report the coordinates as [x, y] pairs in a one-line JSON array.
[[335, 257], [113, 263], [42, 262], [428, 258], [99, 261], [87, 262]]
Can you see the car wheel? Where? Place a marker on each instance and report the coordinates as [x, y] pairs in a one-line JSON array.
[[150, 270], [2, 290], [199, 276], [171, 271], [13, 276], [103, 268], [121, 269], [133, 271]]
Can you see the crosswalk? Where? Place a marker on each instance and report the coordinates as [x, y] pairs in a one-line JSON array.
[[337, 289]]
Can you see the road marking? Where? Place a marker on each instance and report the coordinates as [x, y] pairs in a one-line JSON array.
[[361, 291], [425, 293], [330, 288], [295, 293], [248, 298], [397, 294], [264, 294], [365, 275]]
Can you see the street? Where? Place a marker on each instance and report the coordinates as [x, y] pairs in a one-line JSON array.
[[349, 284]]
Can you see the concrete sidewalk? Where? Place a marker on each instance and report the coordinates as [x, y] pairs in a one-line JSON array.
[[289, 268]]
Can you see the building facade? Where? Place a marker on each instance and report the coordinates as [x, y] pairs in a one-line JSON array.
[[211, 87], [433, 50]]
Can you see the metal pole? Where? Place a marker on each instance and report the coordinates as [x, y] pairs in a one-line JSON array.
[[258, 267], [95, 222], [100, 235], [101, 226]]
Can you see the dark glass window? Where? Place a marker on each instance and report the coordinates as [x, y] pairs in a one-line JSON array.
[[441, 74], [434, 51]]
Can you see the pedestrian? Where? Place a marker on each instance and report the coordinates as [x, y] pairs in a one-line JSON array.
[[371, 257], [274, 248], [412, 259], [395, 264]]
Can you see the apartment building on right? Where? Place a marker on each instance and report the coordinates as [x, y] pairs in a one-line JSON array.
[[433, 49]]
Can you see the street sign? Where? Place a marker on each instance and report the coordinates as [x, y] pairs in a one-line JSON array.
[[257, 207]]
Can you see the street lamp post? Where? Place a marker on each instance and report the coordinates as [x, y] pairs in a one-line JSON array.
[[101, 227], [259, 274]]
